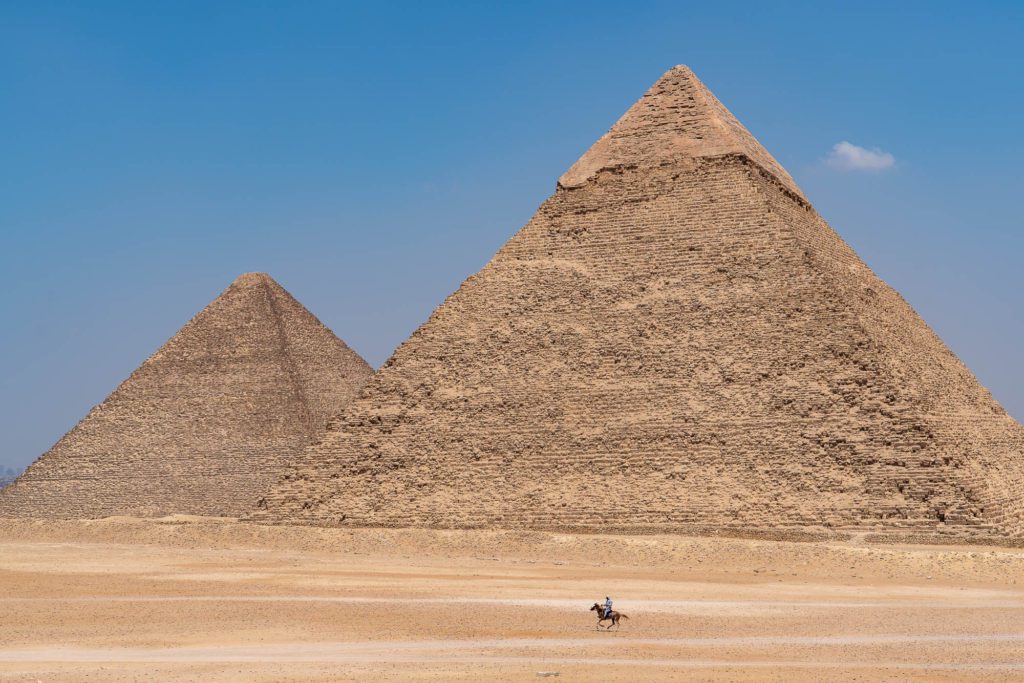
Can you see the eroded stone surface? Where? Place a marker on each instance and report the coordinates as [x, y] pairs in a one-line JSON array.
[[675, 339], [676, 120], [207, 423]]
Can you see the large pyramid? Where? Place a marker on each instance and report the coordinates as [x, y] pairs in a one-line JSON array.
[[207, 423], [675, 340]]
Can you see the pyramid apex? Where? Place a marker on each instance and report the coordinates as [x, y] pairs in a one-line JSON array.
[[678, 118], [253, 278]]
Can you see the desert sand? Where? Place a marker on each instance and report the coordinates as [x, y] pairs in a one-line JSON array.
[[203, 598]]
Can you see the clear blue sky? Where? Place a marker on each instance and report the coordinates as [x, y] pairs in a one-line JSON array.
[[371, 156]]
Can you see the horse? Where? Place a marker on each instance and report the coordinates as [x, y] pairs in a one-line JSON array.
[[612, 615]]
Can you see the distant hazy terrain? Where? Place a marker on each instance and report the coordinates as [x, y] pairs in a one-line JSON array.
[[7, 476]]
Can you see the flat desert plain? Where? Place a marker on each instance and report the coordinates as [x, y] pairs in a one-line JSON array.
[[211, 599]]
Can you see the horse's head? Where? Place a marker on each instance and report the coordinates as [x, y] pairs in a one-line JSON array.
[[595, 607]]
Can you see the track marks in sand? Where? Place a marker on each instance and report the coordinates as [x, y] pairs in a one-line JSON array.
[[535, 651], [639, 606]]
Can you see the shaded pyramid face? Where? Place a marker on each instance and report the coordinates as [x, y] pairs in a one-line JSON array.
[[676, 340], [207, 423]]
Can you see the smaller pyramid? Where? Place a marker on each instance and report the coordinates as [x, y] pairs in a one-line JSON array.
[[205, 424]]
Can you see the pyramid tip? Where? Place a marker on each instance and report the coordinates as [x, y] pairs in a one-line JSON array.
[[252, 278], [680, 70], [677, 118]]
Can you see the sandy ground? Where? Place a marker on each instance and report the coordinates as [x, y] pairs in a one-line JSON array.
[[191, 599]]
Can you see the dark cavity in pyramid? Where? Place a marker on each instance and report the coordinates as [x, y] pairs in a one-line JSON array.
[[207, 423], [676, 339]]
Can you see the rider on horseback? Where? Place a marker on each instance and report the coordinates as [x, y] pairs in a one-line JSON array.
[[605, 613]]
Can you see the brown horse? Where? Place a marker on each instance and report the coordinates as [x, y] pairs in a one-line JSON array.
[[612, 615]]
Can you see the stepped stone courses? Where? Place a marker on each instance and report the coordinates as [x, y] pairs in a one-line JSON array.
[[676, 339], [207, 423]]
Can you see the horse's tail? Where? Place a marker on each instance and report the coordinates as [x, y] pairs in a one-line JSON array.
[[623, 616]]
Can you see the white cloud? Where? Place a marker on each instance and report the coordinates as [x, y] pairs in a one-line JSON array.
[[849, 157]]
